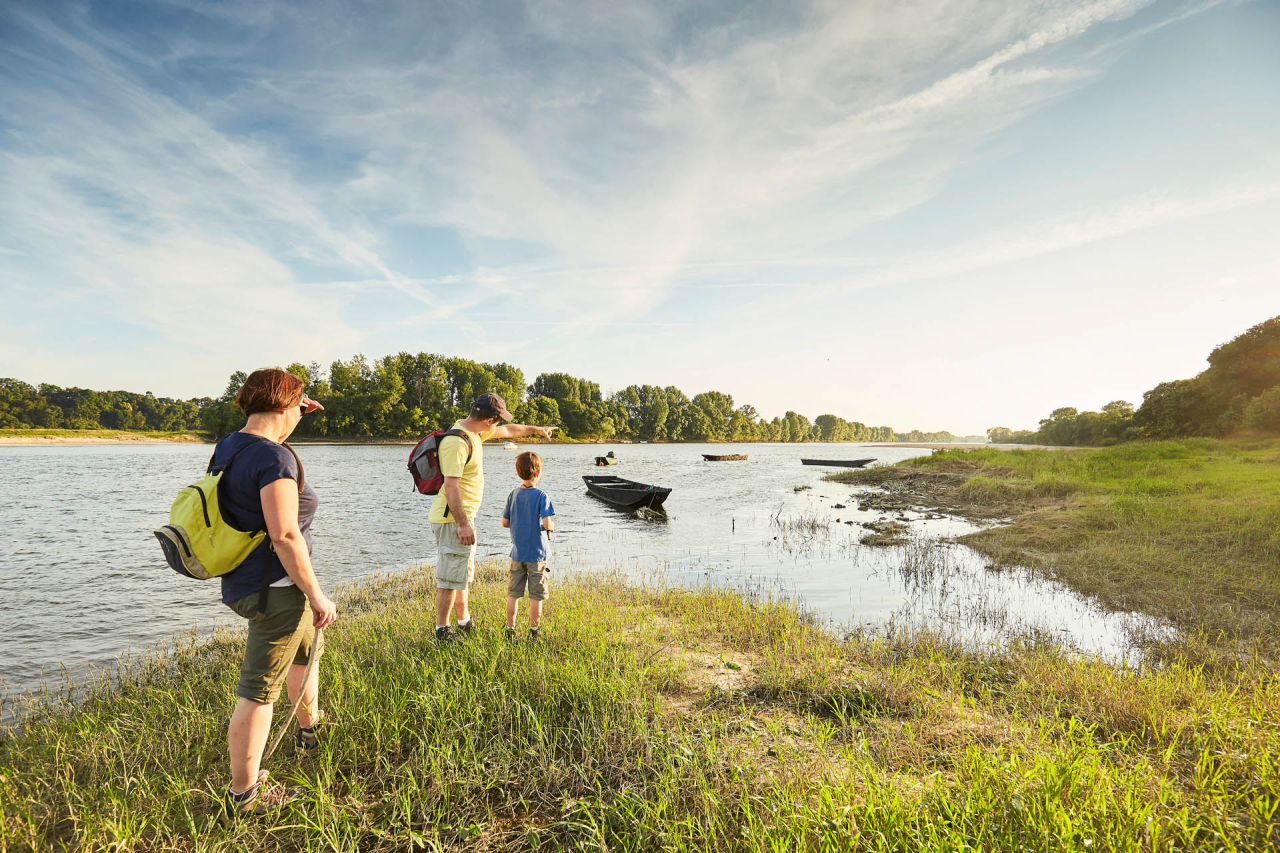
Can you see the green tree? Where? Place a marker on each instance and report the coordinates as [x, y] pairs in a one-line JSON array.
[[713, 411], [222, 417], [560, 387], [646, 408], [1000, 435], [540, 411]]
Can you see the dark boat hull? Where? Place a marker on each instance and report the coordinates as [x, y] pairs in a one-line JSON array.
[[839, 463], [731, 457], [626, 493]]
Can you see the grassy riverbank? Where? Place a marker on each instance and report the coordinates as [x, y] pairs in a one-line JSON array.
[[1188, 530], [666, 719]]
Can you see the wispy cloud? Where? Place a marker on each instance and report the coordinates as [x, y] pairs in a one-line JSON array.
[[594, 165]]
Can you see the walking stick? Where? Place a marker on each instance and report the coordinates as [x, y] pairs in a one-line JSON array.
[[316, 650]]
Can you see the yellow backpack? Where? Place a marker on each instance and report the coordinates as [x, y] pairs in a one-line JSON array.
[[198, 542]]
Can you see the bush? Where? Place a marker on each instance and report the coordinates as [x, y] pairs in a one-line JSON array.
[[1263, 411]]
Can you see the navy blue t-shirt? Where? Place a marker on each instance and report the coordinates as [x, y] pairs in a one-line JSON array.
[[258, 465], [525, 510]]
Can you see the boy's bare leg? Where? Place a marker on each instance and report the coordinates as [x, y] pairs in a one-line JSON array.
[[444, 603], [535, 614], [513, 606]]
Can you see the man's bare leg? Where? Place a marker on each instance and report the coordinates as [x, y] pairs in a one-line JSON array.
[[459, 607], [444, 603]]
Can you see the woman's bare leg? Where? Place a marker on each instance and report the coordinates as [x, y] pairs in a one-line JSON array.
[[246, 739], [308, 707]]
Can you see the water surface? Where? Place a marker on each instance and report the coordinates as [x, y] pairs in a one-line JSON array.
[[82, 579]]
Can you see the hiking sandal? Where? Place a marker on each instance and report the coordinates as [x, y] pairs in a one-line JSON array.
[[258, 799], [305, 740]]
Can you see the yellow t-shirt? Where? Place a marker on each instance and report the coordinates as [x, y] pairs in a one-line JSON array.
[[453, 463]]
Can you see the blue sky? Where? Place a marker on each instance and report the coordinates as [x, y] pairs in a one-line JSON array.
[[940, 214]]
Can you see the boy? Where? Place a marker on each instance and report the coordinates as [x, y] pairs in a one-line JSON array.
[[528, 513]]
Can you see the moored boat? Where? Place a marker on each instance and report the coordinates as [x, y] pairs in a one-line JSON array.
[[727, 457], [626, 493], [839, 463], [602, 461], [510, 445]]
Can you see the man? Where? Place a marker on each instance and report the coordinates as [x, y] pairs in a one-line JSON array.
[[455, 507]]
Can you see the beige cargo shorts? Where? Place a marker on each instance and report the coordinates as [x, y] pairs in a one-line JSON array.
[[455, 562], [536, 576]]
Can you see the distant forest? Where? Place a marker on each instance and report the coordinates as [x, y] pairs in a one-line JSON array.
[[1238, 393], [405, 396]]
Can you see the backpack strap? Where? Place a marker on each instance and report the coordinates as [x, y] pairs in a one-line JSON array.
[[302, 476], [470, 449], [264, 591], [462, 434]]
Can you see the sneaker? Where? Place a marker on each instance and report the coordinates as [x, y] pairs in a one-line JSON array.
[[509, 633], [468, 629], [444, 636], [534, 634], [258, 799]]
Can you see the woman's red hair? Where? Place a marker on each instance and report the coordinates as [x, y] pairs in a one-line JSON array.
[[267, 390]]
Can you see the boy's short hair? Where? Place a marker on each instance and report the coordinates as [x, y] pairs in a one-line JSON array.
[[528, 465]]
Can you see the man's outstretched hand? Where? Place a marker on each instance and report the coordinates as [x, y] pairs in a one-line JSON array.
[[545, 432]]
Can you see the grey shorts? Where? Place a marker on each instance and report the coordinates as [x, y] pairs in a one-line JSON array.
[[534, 575], [455, 562]]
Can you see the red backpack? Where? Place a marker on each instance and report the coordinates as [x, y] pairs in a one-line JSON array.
[[424, 460]]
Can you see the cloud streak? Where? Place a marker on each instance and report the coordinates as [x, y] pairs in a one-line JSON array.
[[595, 171]]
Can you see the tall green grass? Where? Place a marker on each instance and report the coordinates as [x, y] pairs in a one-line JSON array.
[[661, 719]]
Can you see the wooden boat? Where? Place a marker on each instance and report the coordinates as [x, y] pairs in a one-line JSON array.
[[602, 461], [625, 493], [730, 457], [838, 463]]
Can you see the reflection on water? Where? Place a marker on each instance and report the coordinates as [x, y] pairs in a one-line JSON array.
[[82, 580]]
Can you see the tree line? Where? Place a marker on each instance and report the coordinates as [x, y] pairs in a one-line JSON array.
[[24, 406], [1238, 393], [406, 395]]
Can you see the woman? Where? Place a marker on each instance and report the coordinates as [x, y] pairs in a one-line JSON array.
[[275, 588]]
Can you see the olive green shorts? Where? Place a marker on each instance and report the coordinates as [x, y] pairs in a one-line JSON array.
[[283, 636], [534, 575], [455, 562]]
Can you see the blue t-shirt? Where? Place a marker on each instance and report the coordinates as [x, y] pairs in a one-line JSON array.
[[259, 464], [525, 510]]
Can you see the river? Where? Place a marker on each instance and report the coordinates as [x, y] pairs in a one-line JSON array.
[[82, 580]]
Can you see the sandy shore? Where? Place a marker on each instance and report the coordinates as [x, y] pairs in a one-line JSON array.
[[109, 438]]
